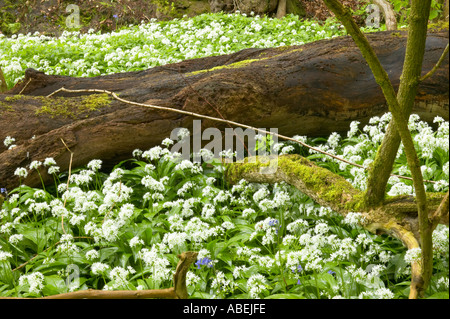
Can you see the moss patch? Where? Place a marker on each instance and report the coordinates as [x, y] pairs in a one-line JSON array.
[[438, 26], [328, 186], [73, 107], [325, 185], [235, 65]]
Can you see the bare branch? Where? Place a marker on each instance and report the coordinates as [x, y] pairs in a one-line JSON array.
[[438, 64], [68, 181], [441, 214]]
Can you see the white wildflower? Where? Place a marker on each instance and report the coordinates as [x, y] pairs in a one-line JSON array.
[[413, 254]]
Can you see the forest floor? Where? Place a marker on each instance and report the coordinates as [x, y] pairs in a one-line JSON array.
[[49, 17]]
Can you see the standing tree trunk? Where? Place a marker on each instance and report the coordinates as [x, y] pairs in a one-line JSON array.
[[3, 86], [400, 106], [445, 13], [281, 9]]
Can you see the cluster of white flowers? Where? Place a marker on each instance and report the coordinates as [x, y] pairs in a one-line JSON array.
[[380, 293], [118, 276], [256, 285], [35, 282], [84, 177], [99, 268], [176, 239], [221, 284], [413, 254], [269, 227], [441, 241], [67, 245], [195, 168], [4, 255], [9, 142], [156, 263], [354, 219]]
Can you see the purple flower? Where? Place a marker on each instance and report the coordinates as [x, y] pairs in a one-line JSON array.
[[299, 269], [331, 272], [115, 16], [204, 262], [273, 222], [3, 190]]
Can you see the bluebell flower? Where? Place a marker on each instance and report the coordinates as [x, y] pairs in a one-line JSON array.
[[299, 269], [204, 262], [3, 190], [273, 222], [115, 16], [331, 272]]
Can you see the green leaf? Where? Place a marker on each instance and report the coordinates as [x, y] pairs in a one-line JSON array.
[[439, 295]]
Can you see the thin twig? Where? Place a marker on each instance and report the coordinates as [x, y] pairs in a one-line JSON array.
[[438, 64], [25, 86], [441, 212], [169, 109], [68, 182]]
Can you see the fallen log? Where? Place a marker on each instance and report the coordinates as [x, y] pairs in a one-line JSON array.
[[313, 90]]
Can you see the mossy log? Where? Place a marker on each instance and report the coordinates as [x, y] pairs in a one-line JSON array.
[[313, 90], [396, 215]]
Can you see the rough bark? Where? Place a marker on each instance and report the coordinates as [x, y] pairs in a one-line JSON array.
[[281, 9], [3, 86], [313, 90]]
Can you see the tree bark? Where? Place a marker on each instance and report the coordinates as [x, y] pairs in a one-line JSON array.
[[3, 86], [412, 70], [281, 9], [313, 90]]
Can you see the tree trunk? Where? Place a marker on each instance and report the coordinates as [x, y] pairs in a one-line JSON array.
[[445, 12], [281, 9], [400, 106], [3, 86], [313, 90]]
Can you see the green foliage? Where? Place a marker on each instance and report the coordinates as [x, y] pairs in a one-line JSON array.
[[402, 7], [157, 43], [124, 228]]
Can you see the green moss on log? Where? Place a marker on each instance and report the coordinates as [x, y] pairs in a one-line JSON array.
[[73, 107], [316, 182]]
